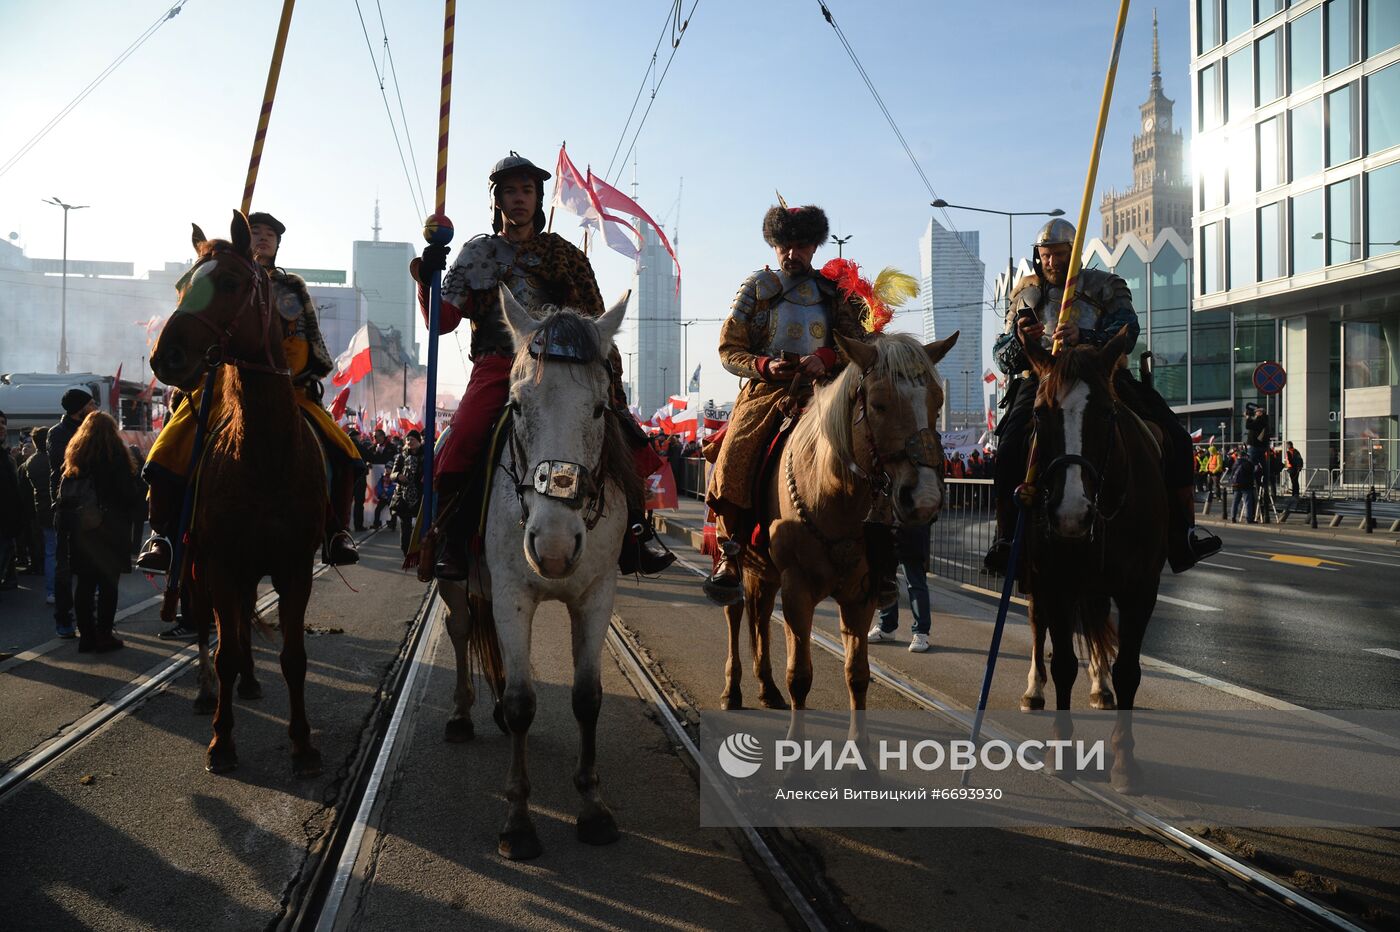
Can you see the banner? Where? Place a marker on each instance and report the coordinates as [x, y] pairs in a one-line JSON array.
[[661, 489]]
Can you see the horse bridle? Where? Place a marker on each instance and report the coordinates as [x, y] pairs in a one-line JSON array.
[[1095, 474], [919, 448], [217, 352]]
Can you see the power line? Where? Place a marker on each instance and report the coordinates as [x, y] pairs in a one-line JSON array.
[[408, 137], [673, 14], [92, 86], [408, 177], [677, 36]]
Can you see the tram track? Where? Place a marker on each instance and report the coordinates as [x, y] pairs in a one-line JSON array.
[[1190, 844]]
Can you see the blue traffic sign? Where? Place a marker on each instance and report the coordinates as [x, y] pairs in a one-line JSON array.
[[1270, 378]]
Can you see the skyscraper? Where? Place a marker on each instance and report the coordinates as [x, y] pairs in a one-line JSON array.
[[651, 350], [381, 272], [951, 279]]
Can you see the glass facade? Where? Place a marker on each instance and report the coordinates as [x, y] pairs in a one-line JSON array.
[[1170, 307], [1270, 68], [1210, 112], [1382, 26], [1208, 24], [1382, 196], [1255, 341], [1239, 16], [1305, 50], [1383, 109], [1368, 449], [1343, 226], [1271, 162], [1239, 84], [1342, 47], [1242, 258], [1342, 142], [1268, 8], [1210, 258], [1210, 356], [1308, 225], [1305, 138], [1370, 349], [1270, 241]]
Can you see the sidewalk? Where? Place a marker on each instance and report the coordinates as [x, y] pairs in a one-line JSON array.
[[1297, 525]]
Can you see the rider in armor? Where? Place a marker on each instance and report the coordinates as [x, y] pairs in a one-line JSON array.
[[779, 331], [309, 362], [539, 268], [1103, 305]]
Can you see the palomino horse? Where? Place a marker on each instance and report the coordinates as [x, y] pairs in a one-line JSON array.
[[555, 519], [870, 431], [1097, 531], [261, 508]]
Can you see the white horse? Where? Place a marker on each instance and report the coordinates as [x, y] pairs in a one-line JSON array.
[[555, 520]]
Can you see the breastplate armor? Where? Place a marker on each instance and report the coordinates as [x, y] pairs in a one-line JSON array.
[[488, 261], [1086, 315], [797, 318]]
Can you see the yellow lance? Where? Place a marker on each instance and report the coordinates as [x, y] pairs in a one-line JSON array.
[[269, 94]]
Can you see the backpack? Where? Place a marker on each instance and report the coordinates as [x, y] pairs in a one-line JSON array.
[[81, 509]]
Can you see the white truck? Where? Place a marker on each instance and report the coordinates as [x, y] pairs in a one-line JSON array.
[[34, 399]]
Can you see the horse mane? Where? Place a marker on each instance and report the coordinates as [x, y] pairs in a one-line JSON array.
[[1079, 364], [566, 327], [823, 435]]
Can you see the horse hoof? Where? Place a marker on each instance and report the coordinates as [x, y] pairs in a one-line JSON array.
[[1103, 701], [1127, 781], [1032, 703], [598, 829], [519, 844], [458, 730], [731, 703], [249, 689], [205, 705], [773, 700], [498, 715], [306, 764], [220, 761]]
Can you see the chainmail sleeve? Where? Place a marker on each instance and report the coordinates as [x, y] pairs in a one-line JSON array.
[[1115, 297]]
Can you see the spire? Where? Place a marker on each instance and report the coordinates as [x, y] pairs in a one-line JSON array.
[[1156, 59]]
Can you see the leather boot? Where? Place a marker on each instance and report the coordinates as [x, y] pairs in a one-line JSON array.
[[884, 563], [642, 550], [339, 550], [453, 563], [1187, 544], [725, 584], [999, 553], [155, 556]]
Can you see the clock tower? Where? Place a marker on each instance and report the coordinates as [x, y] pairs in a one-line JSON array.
[[1159, 198]]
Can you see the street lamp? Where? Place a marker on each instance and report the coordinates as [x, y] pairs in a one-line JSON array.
[[1010, 236], [685, 349], [841, 241], [63, 301], [631, 377], [967, 394]]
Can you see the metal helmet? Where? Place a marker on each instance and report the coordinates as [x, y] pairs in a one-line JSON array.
[[516, 164], [1056, 232]]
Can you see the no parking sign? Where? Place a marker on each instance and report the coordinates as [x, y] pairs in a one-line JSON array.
[[1270, 378]]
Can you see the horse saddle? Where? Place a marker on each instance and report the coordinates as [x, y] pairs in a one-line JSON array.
[[772, 456]]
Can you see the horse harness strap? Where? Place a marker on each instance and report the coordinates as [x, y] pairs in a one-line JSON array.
[[571, 483], [1095, 473], [840, 551], [218, 353], [920, 448]]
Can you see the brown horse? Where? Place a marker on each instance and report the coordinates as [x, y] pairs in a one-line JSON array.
[[261, 507], [1097, 531], [873, 428]]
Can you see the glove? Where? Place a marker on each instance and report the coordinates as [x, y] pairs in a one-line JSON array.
[[434, 260]]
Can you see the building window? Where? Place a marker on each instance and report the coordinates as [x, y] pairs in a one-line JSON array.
[[1270, 241], [1343, 222], [1130, 268], [1271, 168], [1383, 220], [1210, 258], [1239, 16], [1305, 49], [1210, 356], [1370, 348], [1382, 25], [1242, 256], [1239, 84], [1240, 152], [1270, 68], [1210, 97], [1254, 343], [1207, 25], [1383, 109], [1342, 25], [1307, 226], [1368, 449], [1306, 138], [1342, 143], [1268, 8]]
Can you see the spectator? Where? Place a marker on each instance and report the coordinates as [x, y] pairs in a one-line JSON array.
[[10, 525], [1215, 469], [380, 454], [675, 456], [1256, 433], [36, 477], [97, 499], [1275, 462], [1293, 462], [28, 558], [77, 405], [383, 494], [361, 490], [912, 543], [407, 473], [1242, 479]]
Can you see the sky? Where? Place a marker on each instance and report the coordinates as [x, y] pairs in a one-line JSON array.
[[997, 100]]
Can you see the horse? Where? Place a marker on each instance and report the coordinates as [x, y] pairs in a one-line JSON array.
[[556, 514], [261, 507], [871, 432], [1097, 532]]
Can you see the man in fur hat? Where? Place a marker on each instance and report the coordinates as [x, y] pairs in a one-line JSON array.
[[539, 268], [309, 362], [779, 330]]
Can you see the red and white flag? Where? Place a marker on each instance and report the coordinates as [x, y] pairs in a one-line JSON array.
[[989, 376], [338, 403], [355, 363], [571, 192], [678, 402], [615, 202], [1195, 434]]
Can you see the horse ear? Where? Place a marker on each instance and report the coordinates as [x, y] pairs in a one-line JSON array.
[[611, 322], [860, 352], [1116, 348], [1040, 359], [241, 235], [518, 320], [939, 348], [197, 236]]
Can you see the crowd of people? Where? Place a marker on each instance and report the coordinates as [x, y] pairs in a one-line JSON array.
[[392, 467], [1250, 471]]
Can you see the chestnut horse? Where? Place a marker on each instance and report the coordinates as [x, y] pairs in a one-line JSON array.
[[1097, 532], [262, 499], [871, 429]]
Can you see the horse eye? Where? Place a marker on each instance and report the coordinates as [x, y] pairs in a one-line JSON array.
[[598, 410], [878, 407]]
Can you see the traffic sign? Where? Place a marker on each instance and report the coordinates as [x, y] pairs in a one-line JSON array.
[[1270, 378]]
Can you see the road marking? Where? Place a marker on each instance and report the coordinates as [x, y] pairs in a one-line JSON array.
[[1185, 604], [1222, 566], [1384, 651], [1351, 559], [1294, 559], [34, 653]]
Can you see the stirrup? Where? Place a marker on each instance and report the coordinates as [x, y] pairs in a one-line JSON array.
[[339, 550], [1202, 542], [721, 590], [152, 558]]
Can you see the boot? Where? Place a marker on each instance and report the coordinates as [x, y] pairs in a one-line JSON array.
[[155, 556], [1187, 544], [339, 550], [884, 563], [642, 550], [999, 553], [725, 584], [452, 563]]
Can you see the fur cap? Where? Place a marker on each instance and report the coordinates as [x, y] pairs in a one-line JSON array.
[[803, 226]]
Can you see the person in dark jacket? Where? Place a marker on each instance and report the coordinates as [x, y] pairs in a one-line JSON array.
[[98, 497], [77, 405], [407, 475], [36, 474], [1242, 478], [10, 524], [361, 485]]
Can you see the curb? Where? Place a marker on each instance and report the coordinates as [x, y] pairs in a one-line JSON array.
[[1381, 537]]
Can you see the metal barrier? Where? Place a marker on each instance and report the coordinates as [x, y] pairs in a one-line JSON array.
[[964, 530], [692, 480]]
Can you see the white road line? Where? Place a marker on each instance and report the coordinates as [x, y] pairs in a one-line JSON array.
[[34, 653], [1185, 604], [1222, 566], [1384, 651]]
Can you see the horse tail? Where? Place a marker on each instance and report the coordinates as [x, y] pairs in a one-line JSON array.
[[484, 646], [265, 629], [1096, 627]]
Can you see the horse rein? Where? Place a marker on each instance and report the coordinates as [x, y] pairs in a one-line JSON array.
[[217, 353], [1096, 475], [919, 448]]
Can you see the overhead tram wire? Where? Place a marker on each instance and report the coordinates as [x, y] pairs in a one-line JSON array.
[[889, 118], [408, 176], [672, 18], [675, 47], [92, 86], [403, 116]]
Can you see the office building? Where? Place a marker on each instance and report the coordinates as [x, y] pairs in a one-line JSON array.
[[651, 349], [951, 280]]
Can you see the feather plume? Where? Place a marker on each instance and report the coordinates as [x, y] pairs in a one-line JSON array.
[[890, 289]]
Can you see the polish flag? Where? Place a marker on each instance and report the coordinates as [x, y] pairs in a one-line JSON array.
[[1196, 434], [614, 201], [989, 376], [571, 192], [678, 402], [338, 403], [355, 363], [687, 423], [406, 421]]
